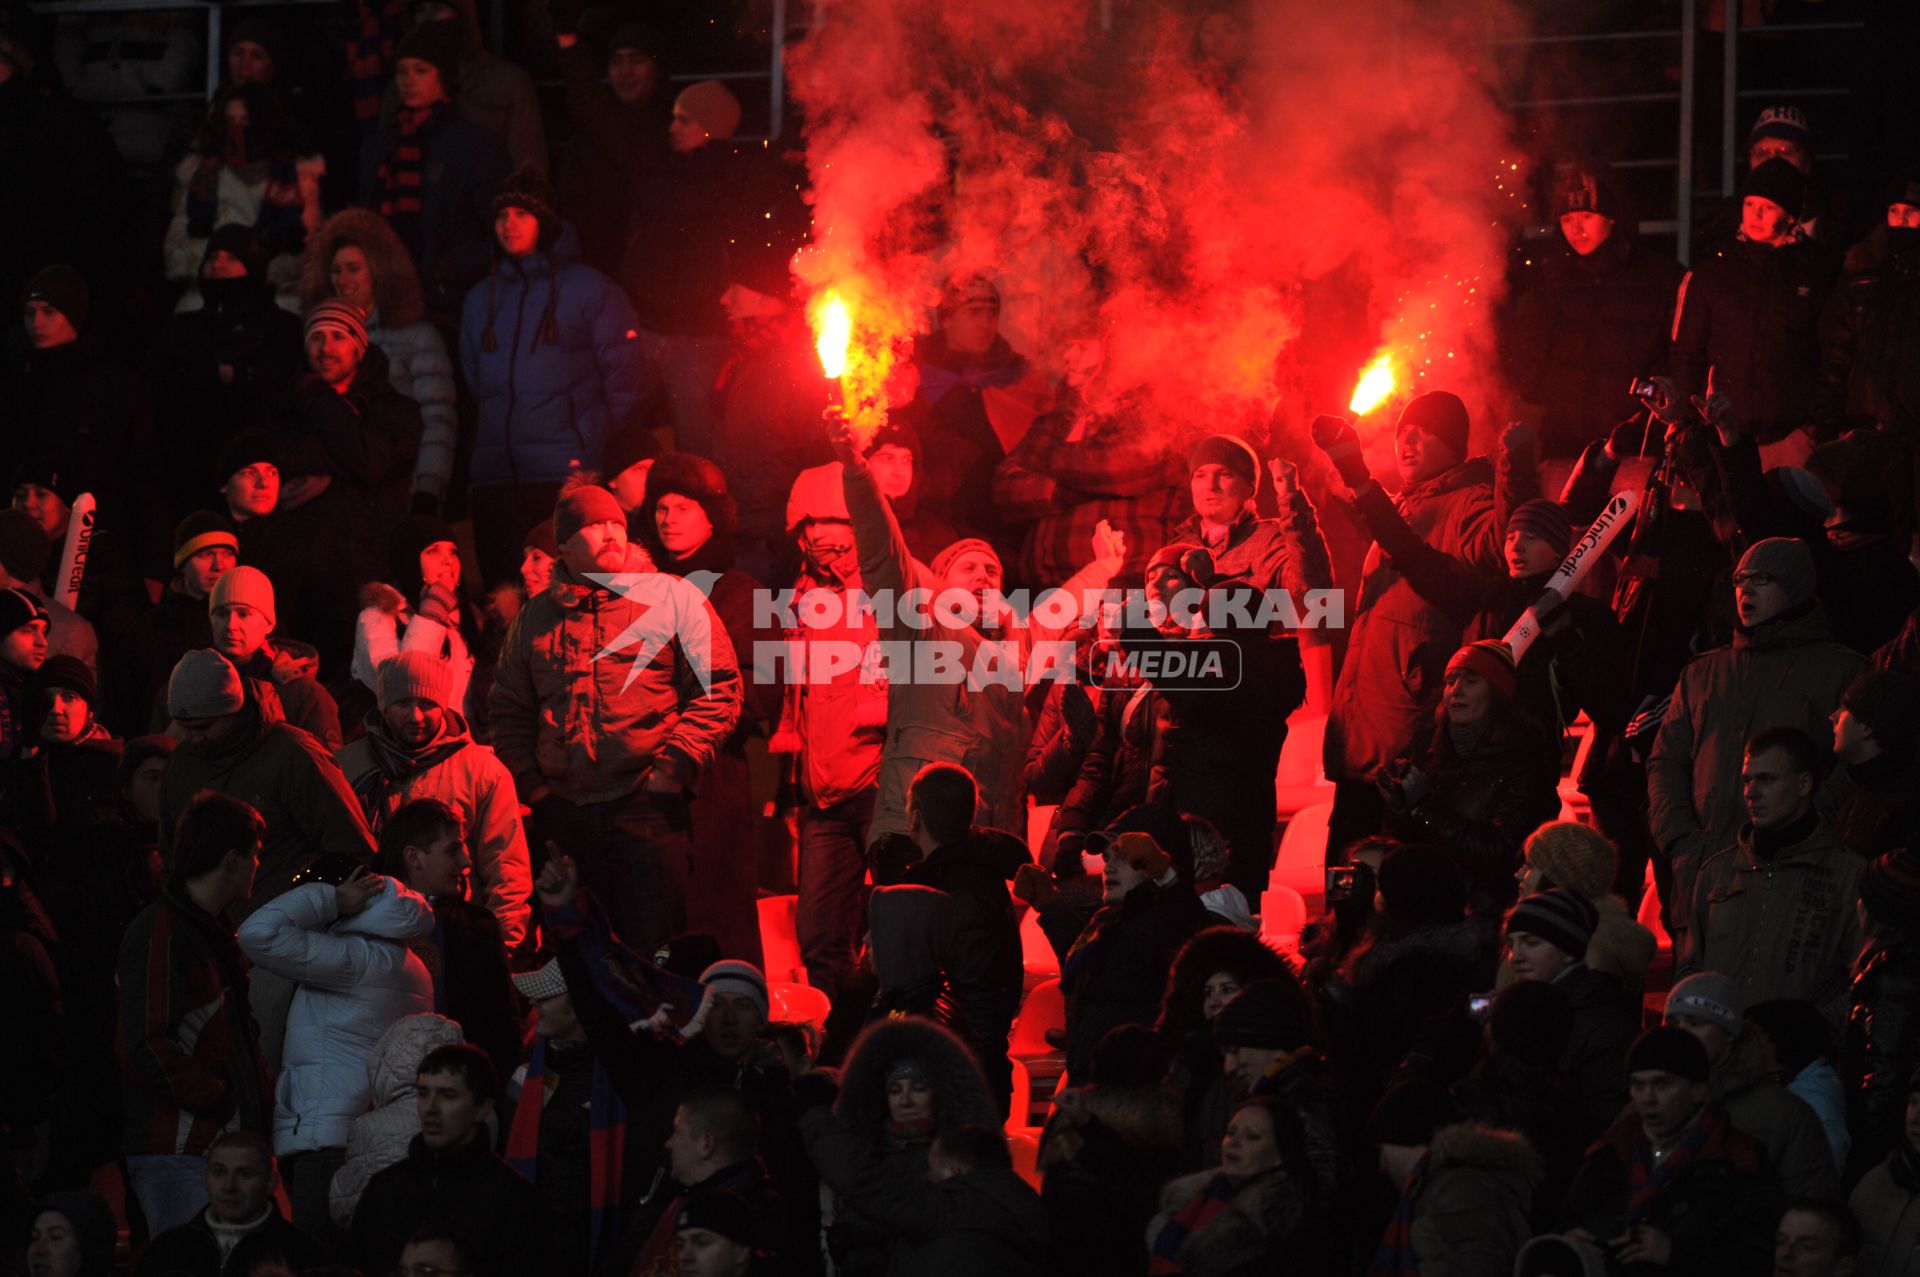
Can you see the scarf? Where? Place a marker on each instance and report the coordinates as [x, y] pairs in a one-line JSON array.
[[278, 221], [1188, 1220], [404, 169], [393, 763], [647, 997], [1395, 1256], [1466, 737], [370, 50], [936, 381], [607, 1126], [1646, 1181]]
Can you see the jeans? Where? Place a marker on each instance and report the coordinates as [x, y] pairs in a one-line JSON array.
[[171, 1187], [833, 872], [309, 1179], [634, 854]]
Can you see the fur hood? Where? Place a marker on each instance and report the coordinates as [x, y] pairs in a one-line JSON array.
[[1264, 1210], [959, 1087], [1205, 953], [396, 285], [1471, 1146], [1462, 941]]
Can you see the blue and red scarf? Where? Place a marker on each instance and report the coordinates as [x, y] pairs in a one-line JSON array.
[[607, 1138], [1646, 1181], [1188, 1220], [1395, 1256]]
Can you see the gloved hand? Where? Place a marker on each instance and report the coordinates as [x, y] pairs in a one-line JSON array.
[[1336, 437], [438, 603], [1142, 854], [1066, 856], [1035, 886], [814, 1089]]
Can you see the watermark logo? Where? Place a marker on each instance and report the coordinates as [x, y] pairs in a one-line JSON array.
[[673, 612]]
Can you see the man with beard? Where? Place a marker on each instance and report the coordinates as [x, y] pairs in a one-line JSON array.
[[416, 747]]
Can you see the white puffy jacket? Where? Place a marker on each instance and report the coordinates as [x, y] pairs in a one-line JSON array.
[[381, 1135], [356, 977]]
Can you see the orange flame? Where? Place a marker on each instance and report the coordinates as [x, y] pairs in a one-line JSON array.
[[1375, 385], [833, 326]]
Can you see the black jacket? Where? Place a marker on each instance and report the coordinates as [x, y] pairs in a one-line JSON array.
[[137, 665], [466, 1190], [462, 166], [1719, 1210], [1606, 1019], [1883, 1046], [471, 983], [1881, 808], [1117, 976], [191, 1250], [367, 440], [1870, 337], [1585, 327], [983, 966], [1751, 313], [1388, 994]]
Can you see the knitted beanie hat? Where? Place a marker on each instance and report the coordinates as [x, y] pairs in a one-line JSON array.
[[1563, 918], [1441, 414], [204, 684], [1230, 451], [68, 674], [202, 530], [1887, 702], [61, 287], [1574, 855], [19, 607], [730, 975], [712, 106], [335, 315], [1492, 660], [421, 676], [1669, 1050], [945, 560], [581, 505], [248, 587], [441, 43], [1545, 519], [1271, 1015], [1785, 559], [1709, 996], [529, 191], [1779, 181]]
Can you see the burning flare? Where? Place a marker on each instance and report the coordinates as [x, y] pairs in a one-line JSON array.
[[1376, 384], [833, 328]]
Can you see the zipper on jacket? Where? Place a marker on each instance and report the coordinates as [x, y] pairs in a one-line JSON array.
[[513, 367]]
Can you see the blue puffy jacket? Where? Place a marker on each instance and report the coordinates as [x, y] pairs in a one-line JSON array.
[[546, 401]]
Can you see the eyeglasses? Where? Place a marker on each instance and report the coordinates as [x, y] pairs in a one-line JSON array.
[[1752, 580]]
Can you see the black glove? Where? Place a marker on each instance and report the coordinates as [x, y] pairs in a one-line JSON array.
[[814, 1089], [1336, 437]]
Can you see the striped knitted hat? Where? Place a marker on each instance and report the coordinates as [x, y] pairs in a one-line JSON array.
[[734, 976], [1563, 918], [1545, 519], [341, 316], [1890, 889], [202, 530]]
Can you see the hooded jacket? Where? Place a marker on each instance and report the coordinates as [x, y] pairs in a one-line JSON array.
[[356, 978], [379, 1137], [1776, 1119], [1471, 1201], [1778, 927], [417, 361], [1887, 1204], [1786, 672], [467, 1190], [1399, 643], [547, 398], [573, 718], [466, 776], [282, 773], [984, 729], [1377, 1006], [288, 670], [1249, 1235]]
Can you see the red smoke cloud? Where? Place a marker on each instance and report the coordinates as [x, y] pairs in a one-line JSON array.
[[1247, 214]]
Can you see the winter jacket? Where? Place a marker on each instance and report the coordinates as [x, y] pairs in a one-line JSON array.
[[1883, 1043], [462, 166], [572, 718], [469, 778], [138, 667], [1384, 996], [367, 440], [1574, 666], [1819, 1087], [1398, 644], [388, 626], [1881, 809], [225, 368], [1484, 805], [417, 361], [240, 196], [1779, 1121], [1103, 1176], [1718, 1210], [982, 962], [1538, 1102], [1621, 947], [835, 717], [467, 1190], [494, 93], [1584, 328], [1470, 1201], [1870, 338], [286, 776], [356, 977], [380, 1136], [685, 213], [1751, 313], [190, 1061], [614, 143], [1113, 965], [1252, 1234], [546, 400], [1784, 673], [192, 1248], [984, 729], [1782, 926], [1887, 1204]]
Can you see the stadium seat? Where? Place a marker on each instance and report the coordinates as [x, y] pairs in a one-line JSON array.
[[798, 1004], [779, 942]]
